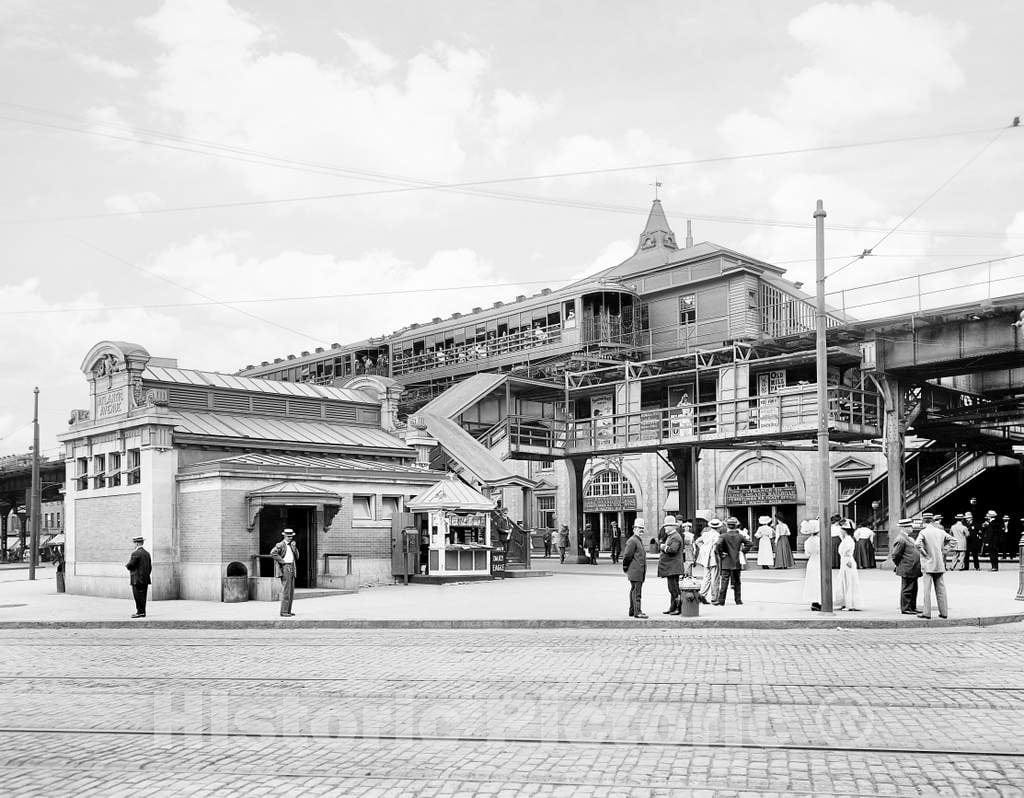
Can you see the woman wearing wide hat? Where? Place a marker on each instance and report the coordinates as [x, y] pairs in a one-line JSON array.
[[812, 577], [764, 535], [864, 547]]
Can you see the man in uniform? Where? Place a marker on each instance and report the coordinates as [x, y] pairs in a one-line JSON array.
[[140, 566], [286, 555]]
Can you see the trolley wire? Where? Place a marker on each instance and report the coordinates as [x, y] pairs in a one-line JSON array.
[[417, 184]]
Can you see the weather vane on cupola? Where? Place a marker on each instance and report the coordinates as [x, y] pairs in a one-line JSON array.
[[657, 185]]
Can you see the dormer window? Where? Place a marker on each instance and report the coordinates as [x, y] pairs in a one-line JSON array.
[[648, 242]]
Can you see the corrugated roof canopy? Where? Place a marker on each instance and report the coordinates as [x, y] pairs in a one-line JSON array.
[[213, 379], [269, 428]]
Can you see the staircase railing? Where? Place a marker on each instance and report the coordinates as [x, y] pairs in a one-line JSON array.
[[518, 543]]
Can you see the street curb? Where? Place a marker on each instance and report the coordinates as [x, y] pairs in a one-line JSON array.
[[689, 624]]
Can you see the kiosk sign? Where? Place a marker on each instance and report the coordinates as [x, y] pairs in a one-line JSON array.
[[498, 559]]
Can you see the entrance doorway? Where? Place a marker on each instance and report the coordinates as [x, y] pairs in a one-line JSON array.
[[748, 515], [276, 517], [603, 523]]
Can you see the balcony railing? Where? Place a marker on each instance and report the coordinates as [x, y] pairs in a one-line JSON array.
[[521, 341], [851, 411], [783, 315]]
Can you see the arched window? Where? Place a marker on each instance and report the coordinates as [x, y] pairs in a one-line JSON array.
[[609, 482]]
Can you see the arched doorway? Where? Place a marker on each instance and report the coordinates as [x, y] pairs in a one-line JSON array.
[[609, 496], [763, 485]]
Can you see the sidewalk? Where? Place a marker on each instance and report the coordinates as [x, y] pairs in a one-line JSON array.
[[575, 596]]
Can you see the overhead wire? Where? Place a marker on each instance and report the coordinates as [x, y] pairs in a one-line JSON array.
[[207, 297], [417, 184], [956, 173]]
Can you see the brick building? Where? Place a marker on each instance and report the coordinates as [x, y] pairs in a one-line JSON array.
[[209, 468]]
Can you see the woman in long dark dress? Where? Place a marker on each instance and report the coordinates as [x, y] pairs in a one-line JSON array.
[[864, 547]]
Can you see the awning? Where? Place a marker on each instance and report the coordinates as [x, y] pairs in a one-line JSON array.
[[672, 502]]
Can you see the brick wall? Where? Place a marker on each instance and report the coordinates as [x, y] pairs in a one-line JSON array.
[[109, 523], [199, 520]]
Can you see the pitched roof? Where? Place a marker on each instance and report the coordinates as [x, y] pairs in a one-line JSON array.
[[273, 430], [450, 494], [217, 380], [656, 221]]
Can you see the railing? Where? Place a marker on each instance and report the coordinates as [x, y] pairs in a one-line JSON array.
[[518, 544], [478, 350], [526, 431], [851, 410], [782, 314]]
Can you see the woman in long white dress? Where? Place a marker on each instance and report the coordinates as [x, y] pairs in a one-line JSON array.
[[812, 577], [847, 579], [764, 535]]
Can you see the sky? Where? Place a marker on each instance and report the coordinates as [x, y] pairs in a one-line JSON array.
[[155, 155]]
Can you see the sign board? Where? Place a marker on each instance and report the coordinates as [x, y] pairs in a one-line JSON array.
[[111, 403], [597, 504], [760, 494], [499, 559]]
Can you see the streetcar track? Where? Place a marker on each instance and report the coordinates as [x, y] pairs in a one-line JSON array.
[[522, 740], [20, 679], [463, 777]]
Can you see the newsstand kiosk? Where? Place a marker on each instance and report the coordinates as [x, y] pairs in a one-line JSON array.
[[458, 523]]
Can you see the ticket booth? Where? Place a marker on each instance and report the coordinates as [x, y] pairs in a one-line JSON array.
[[457, 520]]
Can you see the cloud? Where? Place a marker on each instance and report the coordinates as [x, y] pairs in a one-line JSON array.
[[132, 203], [112, 69], [369, 55], [1015, 234], [865, 62], [612, 255], [222, 76], [583, 152]]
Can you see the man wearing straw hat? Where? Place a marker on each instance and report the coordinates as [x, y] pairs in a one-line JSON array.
[[286, 555], [634, 564], [991, 536], [709, 561]]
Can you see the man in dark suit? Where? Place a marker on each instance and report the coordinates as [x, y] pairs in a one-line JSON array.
[[140, 566], [728, 549], [907, 559], [634, 564], [973, 540], [286, 555]]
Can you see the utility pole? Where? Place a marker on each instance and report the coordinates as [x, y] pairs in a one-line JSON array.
[[821, 362], [35, 511]]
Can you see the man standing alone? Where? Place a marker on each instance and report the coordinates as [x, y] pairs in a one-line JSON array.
[[563, 542], [286, 555], [634, 564], [140, 566], [616, 535]]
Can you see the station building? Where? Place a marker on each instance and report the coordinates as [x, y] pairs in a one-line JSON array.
[[210, 467], [580, 391]]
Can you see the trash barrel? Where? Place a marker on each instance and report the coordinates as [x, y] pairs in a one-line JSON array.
[[235, 586], [690, 600]]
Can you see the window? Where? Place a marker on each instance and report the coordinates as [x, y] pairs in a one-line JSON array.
[[99, 475], [133, 474], [362, 508], [609, 483], [546, 511], [388, 507], [546, 465], [688, 309], [58, 519], [113, 469], [82, 473], [850, 486]]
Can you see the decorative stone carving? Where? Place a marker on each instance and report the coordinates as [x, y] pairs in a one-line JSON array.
[[78, 417], [254, 515], [156, 397]]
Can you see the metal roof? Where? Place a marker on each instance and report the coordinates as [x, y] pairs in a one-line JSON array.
[[315, 462], [450, 494], [213, 379], [268, 428]]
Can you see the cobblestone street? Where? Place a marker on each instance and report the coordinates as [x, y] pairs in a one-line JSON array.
[[531, 712]]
